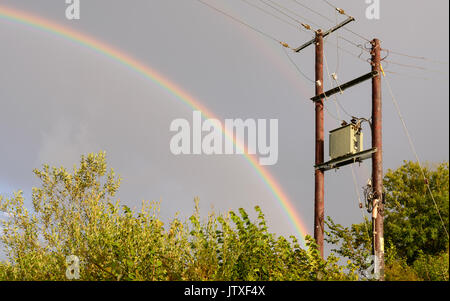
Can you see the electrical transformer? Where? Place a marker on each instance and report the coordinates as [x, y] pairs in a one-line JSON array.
[[346, 140]]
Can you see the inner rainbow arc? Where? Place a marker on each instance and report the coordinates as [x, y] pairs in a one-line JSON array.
[[115, 54]]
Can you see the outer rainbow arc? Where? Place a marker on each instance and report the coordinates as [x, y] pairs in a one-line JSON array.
[[114, 54]]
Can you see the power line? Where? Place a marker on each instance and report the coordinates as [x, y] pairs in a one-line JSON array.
[[270, 14], [295, 13], [327, 2], [338, 59], [352, 54], [343, 12], [417, 57], [414, 67], [330, 114], [411, 144], [297, 67], [348, 52], [362, 37], [387, 61], [329, 79], [355, 183], [354, 44], [243, 23], [310, 9], [280, 10], [266, 34], [414, 76], [357, 34]]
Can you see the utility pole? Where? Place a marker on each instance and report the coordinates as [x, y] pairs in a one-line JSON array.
[[319, 173], [319, 190], [320, 168], [377, 163], [376, 152]]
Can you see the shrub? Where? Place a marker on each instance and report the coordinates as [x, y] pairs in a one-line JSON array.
[[75, 214]]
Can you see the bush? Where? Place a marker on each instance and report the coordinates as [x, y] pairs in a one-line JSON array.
[[75, 214], [432, 268]]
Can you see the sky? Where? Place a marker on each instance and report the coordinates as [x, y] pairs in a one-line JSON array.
[[60, 100]]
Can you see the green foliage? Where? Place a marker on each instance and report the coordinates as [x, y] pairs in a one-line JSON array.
[[415, 241], [412, 223], [432, 267], [354, 242], [396, 268], [75, 214]]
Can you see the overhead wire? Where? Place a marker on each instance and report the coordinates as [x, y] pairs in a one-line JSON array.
[[351, 53], [297, 67], [280, 9], [331, 114], [414, 67], [411, 144], [418, 57], [327, 2], [270, 13], [342, 12], [329, 79], [244, 24], [360, 46], [329, 76], [361, 36], [312, 10], [295, 13], [287, 46], [358, 193], [414, 76], [338, 59], [261, 32]]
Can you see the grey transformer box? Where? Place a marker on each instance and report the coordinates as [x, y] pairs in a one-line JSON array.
[[346, 140]]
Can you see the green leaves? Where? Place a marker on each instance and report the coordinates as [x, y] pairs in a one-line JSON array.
[[412, 222], [415, 241], [75, 214]]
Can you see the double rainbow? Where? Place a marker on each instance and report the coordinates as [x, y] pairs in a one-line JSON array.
[[27, 19]]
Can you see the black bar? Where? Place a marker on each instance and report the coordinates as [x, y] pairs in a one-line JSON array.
[[350, 19], [345, 86], [346, 160], [305, 45]]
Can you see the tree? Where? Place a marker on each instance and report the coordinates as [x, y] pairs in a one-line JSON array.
[[76, 214], [413, 230], [412, 222]]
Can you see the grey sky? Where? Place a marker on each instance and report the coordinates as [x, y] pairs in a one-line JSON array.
[[60, 100]]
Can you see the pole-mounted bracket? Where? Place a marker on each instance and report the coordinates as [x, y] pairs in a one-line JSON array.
[[346, 160], [345, 86], [350, 19]]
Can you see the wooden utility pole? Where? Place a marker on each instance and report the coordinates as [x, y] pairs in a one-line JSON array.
[[377, 163], [319, 173], [319, 191], [376, 152]]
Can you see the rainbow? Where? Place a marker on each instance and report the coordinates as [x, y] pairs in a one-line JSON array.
[[116, 55]]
